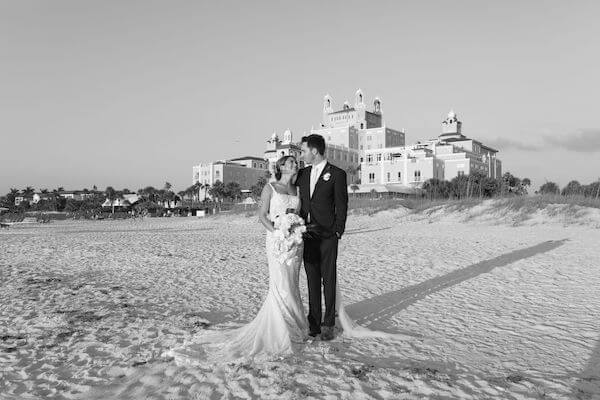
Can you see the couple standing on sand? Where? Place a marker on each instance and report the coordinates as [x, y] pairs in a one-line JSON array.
[[319, 195]]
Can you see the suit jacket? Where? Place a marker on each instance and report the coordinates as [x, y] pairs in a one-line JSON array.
[[328, 206]]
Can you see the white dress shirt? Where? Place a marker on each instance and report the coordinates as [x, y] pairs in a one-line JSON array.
[[315, 172]]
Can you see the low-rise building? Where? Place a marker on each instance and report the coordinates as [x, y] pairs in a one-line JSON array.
[[408, 166], [245, 171], [124, 201]]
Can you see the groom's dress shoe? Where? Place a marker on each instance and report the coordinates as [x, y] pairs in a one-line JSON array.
[[314, 333], [327, 333]]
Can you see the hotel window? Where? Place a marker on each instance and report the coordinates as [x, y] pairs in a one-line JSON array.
[[378, 156], [461, 173], [361, 146], [361, 160], [372, 177], [369, 138], [388, 176], [417, 176], [369, 158], [399, 176]]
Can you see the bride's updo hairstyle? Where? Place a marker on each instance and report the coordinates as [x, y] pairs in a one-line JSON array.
[[280, 163]]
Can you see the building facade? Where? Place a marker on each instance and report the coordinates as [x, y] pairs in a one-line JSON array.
[[348, 133], [245, 171], [406, 166], [357, 128], [374, 156], [449, 155], [278, 147]]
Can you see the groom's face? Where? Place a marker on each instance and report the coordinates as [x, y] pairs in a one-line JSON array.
[[307, 155]]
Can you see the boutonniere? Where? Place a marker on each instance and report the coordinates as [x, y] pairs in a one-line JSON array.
[[326, 176]]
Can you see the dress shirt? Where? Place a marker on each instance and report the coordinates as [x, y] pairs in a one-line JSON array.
[[315, 172]]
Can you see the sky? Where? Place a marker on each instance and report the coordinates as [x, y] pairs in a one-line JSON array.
[[134, 93]]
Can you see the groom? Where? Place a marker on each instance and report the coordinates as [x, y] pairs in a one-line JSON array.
[[324, 205]]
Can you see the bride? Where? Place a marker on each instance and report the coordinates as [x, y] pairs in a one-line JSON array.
[[280, 326]]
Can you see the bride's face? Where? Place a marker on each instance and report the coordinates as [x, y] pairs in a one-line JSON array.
[[290, 166]]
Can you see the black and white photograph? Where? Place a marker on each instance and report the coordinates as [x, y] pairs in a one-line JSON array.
[[299, 200]]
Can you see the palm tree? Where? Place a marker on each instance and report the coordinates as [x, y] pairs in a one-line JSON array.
[[192, 192], [182, 194], [10, 197], [148, 193], [206, 189], [28, 192], [112, 195], [195, 189]]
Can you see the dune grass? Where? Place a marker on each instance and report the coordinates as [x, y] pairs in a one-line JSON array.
[[513, 209], [523, 207], [370, 206]]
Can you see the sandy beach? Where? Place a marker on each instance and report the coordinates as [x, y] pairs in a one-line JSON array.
[[491, 310]]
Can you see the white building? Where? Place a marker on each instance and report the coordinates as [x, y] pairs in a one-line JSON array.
[[245, 171], [347, 133], [277, 148], [356, 127], [405, 168], [125, 201]]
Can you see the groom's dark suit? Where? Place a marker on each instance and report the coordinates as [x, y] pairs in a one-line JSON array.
[[325, 212]]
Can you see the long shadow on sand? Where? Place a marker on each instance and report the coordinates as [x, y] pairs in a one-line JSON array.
[[588, 383], [376, 311], [362, 230]]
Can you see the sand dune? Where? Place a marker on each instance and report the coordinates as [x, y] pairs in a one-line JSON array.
[[87, 310]]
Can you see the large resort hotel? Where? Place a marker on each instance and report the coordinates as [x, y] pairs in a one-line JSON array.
[[374, 155]]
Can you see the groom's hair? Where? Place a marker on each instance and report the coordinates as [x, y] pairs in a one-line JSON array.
[[315, 141]]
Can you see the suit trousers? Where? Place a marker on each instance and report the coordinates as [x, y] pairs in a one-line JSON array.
[[320, 259]]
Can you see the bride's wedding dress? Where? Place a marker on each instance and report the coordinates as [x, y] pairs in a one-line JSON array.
[[281, 323], [280, 327]]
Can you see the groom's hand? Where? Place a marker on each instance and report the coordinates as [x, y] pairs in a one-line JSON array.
[[338, 235]]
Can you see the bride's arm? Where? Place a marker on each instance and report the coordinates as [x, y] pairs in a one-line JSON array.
[[263, 212]]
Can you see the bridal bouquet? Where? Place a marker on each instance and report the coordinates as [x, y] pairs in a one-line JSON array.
[[288, 234]]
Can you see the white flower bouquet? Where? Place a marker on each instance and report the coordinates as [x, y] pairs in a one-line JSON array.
[[288, 234]]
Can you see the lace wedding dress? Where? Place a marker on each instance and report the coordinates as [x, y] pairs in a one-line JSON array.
[[281, 323]]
